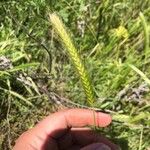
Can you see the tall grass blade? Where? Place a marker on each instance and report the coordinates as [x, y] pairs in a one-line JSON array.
[[23, 66], [146, 33], [144, 77], [17, 95]]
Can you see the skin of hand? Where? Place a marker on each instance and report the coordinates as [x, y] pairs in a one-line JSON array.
[[67, 130]]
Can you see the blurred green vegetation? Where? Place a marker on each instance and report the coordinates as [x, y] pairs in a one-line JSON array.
[[112, 38]]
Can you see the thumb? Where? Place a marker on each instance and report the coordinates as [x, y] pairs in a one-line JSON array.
[[96, 146]]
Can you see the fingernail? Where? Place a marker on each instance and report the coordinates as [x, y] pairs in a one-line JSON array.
[[103, 147]]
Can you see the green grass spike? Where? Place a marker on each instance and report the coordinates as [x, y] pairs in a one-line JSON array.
[[74, 56]]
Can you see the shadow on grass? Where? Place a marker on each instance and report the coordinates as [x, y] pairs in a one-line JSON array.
[[114, 133], [122, 142]]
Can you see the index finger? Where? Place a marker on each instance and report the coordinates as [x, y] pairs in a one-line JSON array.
[[56, 124]]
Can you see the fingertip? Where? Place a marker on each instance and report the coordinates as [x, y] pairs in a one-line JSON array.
[[103, 119], [82, 117]]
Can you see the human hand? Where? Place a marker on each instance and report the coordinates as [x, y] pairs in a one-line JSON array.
[[67, 130]]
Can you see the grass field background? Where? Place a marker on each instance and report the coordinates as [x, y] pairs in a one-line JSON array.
[[37, 76]]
